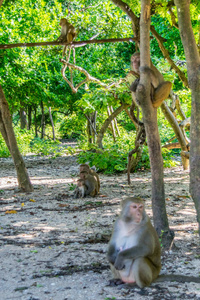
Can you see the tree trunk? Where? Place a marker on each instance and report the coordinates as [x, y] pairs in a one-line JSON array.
[[42, 121], [107, 123], [89, 132], [29, 117], [193, 69], [91, 127], [151, 128], [52, 124], [23, 121], [35, 121], [115, 122], [178, 132], [3, 131], [22, 174], [112, 124]]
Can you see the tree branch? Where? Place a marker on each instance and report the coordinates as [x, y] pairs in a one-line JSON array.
[[134, 19], [165, 53], [87, 79], [74, 44]]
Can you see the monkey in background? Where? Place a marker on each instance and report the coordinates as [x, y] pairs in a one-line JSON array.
[[86, 168], [86, 186], [160, 88], [80, 190], [68, 34], [134, 250]]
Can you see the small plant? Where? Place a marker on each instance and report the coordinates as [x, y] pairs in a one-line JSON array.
[[160, 238], [71, 186]]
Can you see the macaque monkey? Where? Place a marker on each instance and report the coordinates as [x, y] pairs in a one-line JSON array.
[[160, 88], [134, 250], [68, 32], [80, 190], [86, 168], [89, 183], [67, 35]]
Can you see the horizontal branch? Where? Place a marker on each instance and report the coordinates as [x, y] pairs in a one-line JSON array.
[[75, 44]]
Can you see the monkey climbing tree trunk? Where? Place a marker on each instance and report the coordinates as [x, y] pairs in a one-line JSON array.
[[193, 69], [151, 128], [9, 136]]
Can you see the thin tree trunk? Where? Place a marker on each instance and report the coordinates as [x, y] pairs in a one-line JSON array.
[[151, 128], [23, 121], [107, 123], [42, 121], [35, 121], [52, 124], [115, 122], [89, 133], [95, 125], [112, 124], [3, 131], [178, 132], [193, 63], [29, 117], [22, 174]]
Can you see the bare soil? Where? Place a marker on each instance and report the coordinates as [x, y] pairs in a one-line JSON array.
[[53, 247]]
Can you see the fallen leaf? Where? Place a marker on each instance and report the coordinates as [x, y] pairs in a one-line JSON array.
[[32, 200], [11, 212], [184, 197], [63, 205]]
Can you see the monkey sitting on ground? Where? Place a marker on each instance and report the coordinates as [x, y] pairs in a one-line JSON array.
[[160, 88], [86, 168], [80, 190], [86, 186], [134, 250]]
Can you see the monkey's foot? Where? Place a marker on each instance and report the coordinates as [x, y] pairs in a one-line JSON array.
[[115, 282], [157, 103]]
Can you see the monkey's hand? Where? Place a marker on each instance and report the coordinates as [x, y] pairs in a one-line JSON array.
[[119, 263], [134, 85], [112, 254]]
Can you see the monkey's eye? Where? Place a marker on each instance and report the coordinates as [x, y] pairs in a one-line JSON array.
[[134, 206]]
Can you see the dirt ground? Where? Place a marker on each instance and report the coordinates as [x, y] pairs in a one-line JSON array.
[[53, 247]]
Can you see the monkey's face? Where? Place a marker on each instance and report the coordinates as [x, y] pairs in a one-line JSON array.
[[84, 168], [136, 211], [133, 211], [79, 182], [135, 61], [63, 22], [83, 175]]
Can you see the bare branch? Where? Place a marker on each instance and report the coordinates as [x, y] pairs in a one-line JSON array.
[[165, 53], [74, 44], [88, 77], [134, 19]]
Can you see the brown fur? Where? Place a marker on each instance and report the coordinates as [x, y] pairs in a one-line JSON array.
[[86, 168], [160, 87], [134, 250]]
